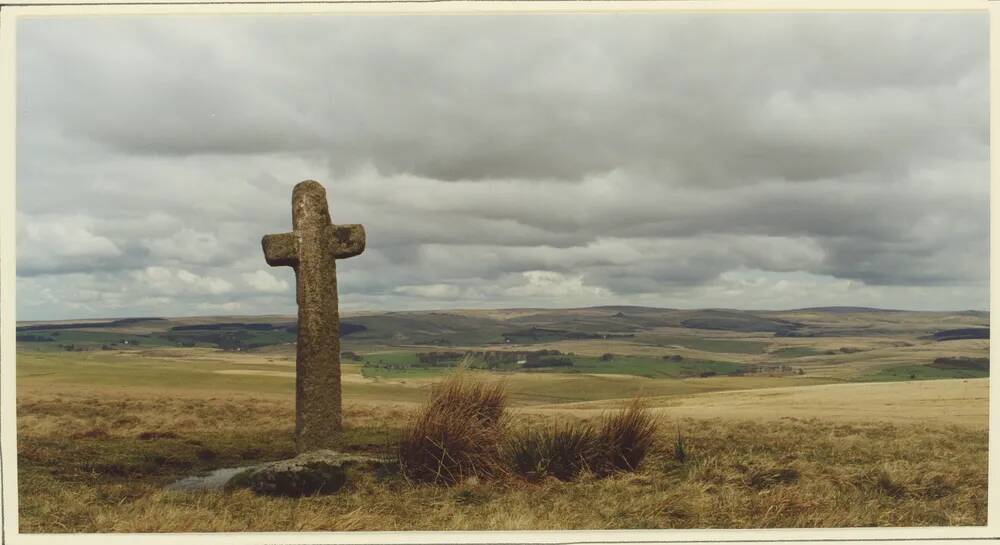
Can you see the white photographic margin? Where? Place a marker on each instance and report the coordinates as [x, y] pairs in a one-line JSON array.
[[12, 11]]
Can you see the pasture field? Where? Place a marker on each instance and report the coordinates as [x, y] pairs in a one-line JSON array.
[[193, 370], [926, 402], [811, 418]]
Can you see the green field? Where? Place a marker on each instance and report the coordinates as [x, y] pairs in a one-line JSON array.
[[796, 352], [407, 364], [920, 372], [89, 338], [644, 367]]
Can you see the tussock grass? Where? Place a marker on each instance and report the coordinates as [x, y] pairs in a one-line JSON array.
[[562, 451], [619, 442], [457, 434], [462, 394], [626, 436]]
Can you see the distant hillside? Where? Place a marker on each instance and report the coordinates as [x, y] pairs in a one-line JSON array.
[[85, 325], [728, 320], [847, 310], [961, 334], [483, 327]]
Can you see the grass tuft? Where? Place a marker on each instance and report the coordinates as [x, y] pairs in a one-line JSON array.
[[626, 436], [562, 451], [619, 443], [457, 434], [680, 450]]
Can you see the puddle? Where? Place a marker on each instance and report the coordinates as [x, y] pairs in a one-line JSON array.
[[212, 481]]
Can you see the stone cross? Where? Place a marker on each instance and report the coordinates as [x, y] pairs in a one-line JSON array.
[[311, 249]]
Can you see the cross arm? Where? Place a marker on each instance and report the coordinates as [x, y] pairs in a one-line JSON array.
[[281, 250], [348, 240]]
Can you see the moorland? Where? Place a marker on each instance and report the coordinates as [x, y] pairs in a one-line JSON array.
[[839, 416]]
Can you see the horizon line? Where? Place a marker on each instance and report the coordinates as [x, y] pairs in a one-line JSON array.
[[453, 309]]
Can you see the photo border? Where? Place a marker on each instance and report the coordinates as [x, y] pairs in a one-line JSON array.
[[10, 12]]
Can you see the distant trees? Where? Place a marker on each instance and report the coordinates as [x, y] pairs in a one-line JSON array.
[[769, 370], [549, 361], [435, 359], [480, 359]]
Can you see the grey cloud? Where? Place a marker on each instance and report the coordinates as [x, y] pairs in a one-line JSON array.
[[495, 160], [444, 100]]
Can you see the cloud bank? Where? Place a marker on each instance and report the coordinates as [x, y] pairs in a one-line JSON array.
[[731, 160]]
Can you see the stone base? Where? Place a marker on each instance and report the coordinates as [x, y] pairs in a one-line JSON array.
[[311, 473]]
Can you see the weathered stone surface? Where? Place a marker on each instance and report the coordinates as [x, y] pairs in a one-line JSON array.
[[312, 249], [315, 472]]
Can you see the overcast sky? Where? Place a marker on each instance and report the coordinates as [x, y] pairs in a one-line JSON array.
[[754, 161]]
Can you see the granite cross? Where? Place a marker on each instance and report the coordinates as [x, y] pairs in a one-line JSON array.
[[311, 249]]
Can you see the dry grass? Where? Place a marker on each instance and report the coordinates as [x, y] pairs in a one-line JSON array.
[[463, 394], [563, 451], [626, 436], [932, 402], [457, 434], [566, 449], [737, 474]]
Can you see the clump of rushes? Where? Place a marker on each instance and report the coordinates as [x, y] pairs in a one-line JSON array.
[[680, 451], [619, 443], [457, 434], [562, 451], [626, 436]]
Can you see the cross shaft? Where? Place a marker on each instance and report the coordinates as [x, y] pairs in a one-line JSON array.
[[311, 249]]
